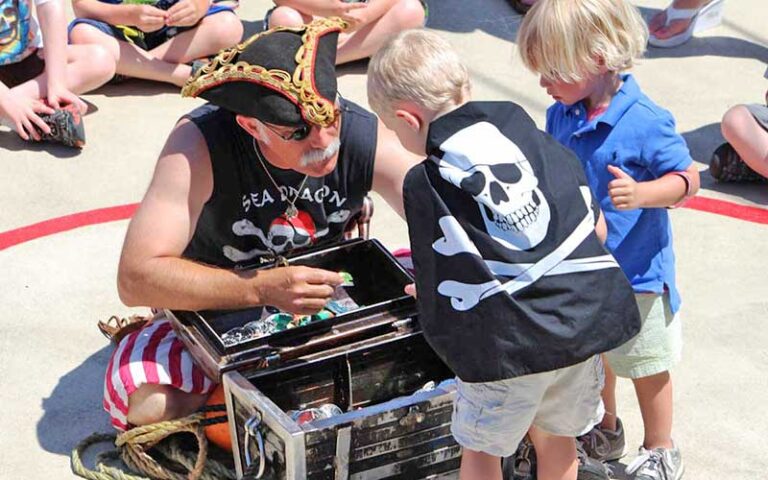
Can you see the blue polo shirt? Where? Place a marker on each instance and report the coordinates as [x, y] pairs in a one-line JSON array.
[[639, 137]]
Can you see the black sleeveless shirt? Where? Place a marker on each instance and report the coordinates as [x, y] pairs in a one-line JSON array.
[[243, 223]]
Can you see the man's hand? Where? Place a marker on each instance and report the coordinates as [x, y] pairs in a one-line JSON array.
[[23, 114], [297, 290], [185, 13], [410, 289], [148, 18], [624, 190], [59, 96]]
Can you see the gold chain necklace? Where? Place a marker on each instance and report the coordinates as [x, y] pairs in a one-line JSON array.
[[291, 211]]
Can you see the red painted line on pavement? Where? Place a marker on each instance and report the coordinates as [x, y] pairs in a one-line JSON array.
[[122, 212], [729, 209], [68, 222]]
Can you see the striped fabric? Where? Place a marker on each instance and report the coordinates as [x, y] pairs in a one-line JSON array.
[[152, 355]]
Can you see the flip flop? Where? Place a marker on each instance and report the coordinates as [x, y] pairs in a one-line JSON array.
[[708, 16]]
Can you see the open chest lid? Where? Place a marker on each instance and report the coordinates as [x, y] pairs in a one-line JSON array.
[[375, 304]]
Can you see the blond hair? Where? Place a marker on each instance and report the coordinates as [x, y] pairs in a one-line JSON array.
[[417, 66], [564, 40]]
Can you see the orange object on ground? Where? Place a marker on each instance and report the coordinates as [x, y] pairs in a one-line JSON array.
[[218, 433]]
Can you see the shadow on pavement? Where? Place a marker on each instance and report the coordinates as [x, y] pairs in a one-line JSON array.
[[137, 88], [702, 142], [74, 408], [496, 18], [10, 141]]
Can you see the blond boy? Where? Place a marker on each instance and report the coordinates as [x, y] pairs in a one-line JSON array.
[[515, 291], [637, 166]]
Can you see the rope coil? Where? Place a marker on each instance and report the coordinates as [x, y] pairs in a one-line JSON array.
[[133, 447]]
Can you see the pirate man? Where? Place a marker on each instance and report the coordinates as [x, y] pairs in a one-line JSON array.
[[276, 161]]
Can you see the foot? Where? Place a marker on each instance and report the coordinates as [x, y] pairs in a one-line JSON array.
[[66, 126], [727, 166], [603, 444], [657, 464]]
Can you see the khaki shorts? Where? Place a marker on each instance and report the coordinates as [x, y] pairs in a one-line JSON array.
[[657, 347], [493, 417]]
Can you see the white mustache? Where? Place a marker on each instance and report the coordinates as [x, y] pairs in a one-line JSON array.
[[316, 156]]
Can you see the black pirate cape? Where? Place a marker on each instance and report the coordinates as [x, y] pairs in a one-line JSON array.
[[511, 277]]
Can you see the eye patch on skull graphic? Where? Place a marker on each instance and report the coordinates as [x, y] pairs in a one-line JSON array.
[[483, 162]]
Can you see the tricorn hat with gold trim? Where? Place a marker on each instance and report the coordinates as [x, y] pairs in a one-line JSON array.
[[284, 76]]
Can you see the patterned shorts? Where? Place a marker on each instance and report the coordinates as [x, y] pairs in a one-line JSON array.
[[152, 355]]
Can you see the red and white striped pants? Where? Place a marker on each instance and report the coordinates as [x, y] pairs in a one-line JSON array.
[[152, 355]]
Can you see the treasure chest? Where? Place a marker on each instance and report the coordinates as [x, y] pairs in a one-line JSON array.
[[358, 395]]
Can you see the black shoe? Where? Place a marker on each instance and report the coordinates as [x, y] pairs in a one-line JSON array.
[[66, 126], [727, 166]]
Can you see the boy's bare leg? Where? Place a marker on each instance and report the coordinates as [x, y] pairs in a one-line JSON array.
[[131, 60], [88, 67], [609, 398], [555, 456], [288, 17], [654, 394], [167, 62], [479, 466], [748, 138], [213, 33], [365, 42], [158, 403]]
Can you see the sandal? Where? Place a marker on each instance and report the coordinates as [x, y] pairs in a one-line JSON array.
[[727, 166], [520, 6], [707, 16], [116, 328]]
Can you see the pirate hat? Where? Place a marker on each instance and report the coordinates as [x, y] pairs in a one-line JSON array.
[[284, 76]]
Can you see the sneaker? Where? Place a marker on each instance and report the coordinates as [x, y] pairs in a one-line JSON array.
[[657, 464], [522, 465], [727, 166], [603, 444], [590, 468], [66, 126]]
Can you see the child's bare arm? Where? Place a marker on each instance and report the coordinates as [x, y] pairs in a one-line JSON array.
[[666, 191], [54, 30], [23, 113], [186, 13], [145, 17], [322, 8]]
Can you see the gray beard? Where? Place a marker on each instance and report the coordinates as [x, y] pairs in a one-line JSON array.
[[317, 156]]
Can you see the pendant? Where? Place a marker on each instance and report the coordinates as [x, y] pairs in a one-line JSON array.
[[291, 212]]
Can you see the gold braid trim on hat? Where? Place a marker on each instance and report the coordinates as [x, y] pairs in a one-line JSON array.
[[297, 87]]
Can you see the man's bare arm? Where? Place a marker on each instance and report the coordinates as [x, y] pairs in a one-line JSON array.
[[392, 163], [152, 272]]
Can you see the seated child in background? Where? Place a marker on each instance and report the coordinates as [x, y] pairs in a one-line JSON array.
[[156, 40], [371, 22], [637, 166], [38, 86], [515, 290]]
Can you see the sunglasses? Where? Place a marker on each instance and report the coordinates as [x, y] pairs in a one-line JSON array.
[[303, 131]]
